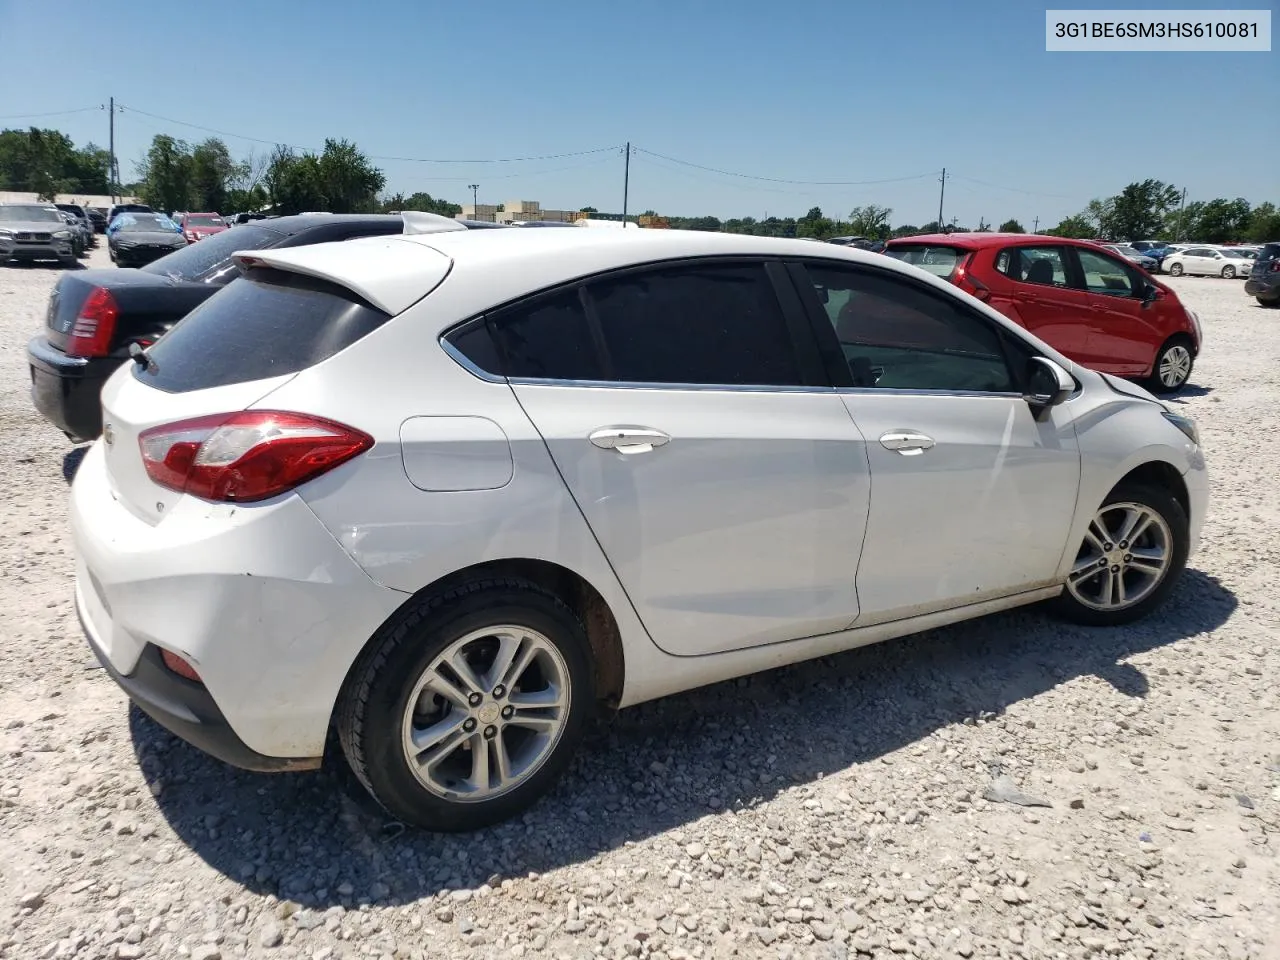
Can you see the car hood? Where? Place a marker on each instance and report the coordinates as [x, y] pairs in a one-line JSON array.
[[47, 226], [150, 236]]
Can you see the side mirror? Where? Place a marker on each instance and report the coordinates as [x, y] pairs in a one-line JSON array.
[[1150, 293], [1047, 385]]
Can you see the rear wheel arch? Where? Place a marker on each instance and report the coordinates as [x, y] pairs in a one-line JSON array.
[[603, 634]]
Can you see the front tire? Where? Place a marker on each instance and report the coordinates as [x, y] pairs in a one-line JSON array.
[[1272, 302], [468, 705], [1228, 273], [1133, 552], [1175, 270], [1173, 366]]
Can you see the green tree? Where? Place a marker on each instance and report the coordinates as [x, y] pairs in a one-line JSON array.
[[1139, 210], [1012, 226], [350, 182], [1184, 223], [1264, 224], [588, 210], [1078, 226], [907, 230], [165, 174], [1222, 220], [870, 221], [424, 202], [293, 181], [212, 171]]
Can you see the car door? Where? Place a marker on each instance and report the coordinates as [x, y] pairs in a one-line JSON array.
[[972, 497], [1043, 298], [693, 422], [1123, 327], [1197, 261]]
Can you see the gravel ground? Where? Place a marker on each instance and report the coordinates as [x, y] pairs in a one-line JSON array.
[[837, 809]]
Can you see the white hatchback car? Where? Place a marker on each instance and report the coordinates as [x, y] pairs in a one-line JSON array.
[[450, 493]]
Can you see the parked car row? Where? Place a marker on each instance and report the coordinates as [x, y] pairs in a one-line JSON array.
[[446, 495]]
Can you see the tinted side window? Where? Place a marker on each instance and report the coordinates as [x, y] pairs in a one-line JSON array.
[[548, 339], [1104, 275], [1045, 265], [268, 324], [896, 335], [715, 324]]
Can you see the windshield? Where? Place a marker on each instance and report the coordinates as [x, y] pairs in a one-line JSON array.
[[204, 220], [940, 261], [1127, 251], [1233, 253], [30, 213], [210, 260], [147, 223]]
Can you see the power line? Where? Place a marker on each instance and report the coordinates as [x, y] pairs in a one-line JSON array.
[[240, 136], [810, 183], [1000, 186], [51, 113]]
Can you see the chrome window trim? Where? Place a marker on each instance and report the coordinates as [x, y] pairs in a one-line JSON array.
[[923, 392], [462, 360], [649, 385]]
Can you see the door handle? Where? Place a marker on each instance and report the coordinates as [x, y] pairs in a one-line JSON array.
[[906, 443], [628, 440]]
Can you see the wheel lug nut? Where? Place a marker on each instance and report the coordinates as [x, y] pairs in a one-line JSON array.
[[469, 724], [1115, 569], [1102, 561], [490, 732], [508, 712], [1108, 546], [1128, 558], [499, 691], [475, 699], [1124, 544]]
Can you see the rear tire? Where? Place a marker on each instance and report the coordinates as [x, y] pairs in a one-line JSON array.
[[1172, 367], [1228, 273], [1273, 302], [430, 740], [1175, 270], [1159, 545]]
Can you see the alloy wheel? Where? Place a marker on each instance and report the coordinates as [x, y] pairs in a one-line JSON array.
[[1228, 273], [1175, 366], [1176, 270], [1126, 553], [486, 713]]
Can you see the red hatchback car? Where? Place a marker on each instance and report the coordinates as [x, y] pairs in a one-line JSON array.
[[197, 226], [1098, 309]]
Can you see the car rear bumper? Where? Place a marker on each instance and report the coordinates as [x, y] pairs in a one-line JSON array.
[[67, 390], [258, 598], [1263, 286]]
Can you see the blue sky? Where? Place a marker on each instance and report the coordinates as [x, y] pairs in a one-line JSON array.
[[819, 91]]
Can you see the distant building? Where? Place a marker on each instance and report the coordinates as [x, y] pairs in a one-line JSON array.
[[515, 210], [84, 199]]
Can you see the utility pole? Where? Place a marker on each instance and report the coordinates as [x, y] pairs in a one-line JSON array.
[[111, 163], [475, 204], [1182, 206], [941, 194], [626, 184], [1035, 225]]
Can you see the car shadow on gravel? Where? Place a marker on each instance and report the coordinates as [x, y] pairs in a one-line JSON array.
[[71, 462], [317, 840]]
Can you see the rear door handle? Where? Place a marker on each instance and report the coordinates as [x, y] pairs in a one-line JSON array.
[[628, 440], [906, 443]]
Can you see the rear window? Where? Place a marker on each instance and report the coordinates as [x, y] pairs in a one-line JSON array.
[[268, 324], [940, 261], [210, 259], [1270, 251]]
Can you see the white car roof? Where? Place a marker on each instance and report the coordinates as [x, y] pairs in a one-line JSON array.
[[495, 266]]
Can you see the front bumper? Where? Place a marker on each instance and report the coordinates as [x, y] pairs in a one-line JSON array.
[[1263, 286], [141, 256], [25, 250], [67, 390], [259, 598]]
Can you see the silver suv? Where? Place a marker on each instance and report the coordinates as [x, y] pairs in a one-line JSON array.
[[35, 231]]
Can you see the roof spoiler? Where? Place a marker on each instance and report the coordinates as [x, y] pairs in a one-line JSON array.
[[418, 221]]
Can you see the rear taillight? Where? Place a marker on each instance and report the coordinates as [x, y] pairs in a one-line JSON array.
[[970, 284], [95, 325], [1275, 266], [247, 456]]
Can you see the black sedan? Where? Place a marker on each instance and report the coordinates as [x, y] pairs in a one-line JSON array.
[[141, 238], [95, 316]]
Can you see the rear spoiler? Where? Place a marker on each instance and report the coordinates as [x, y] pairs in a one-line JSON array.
[[389, 272], [417, 221]]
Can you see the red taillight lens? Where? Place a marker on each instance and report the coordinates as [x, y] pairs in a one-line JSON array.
[[95, 326], [247, 456], [970, 284], [180, 666], [1275, 266]]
